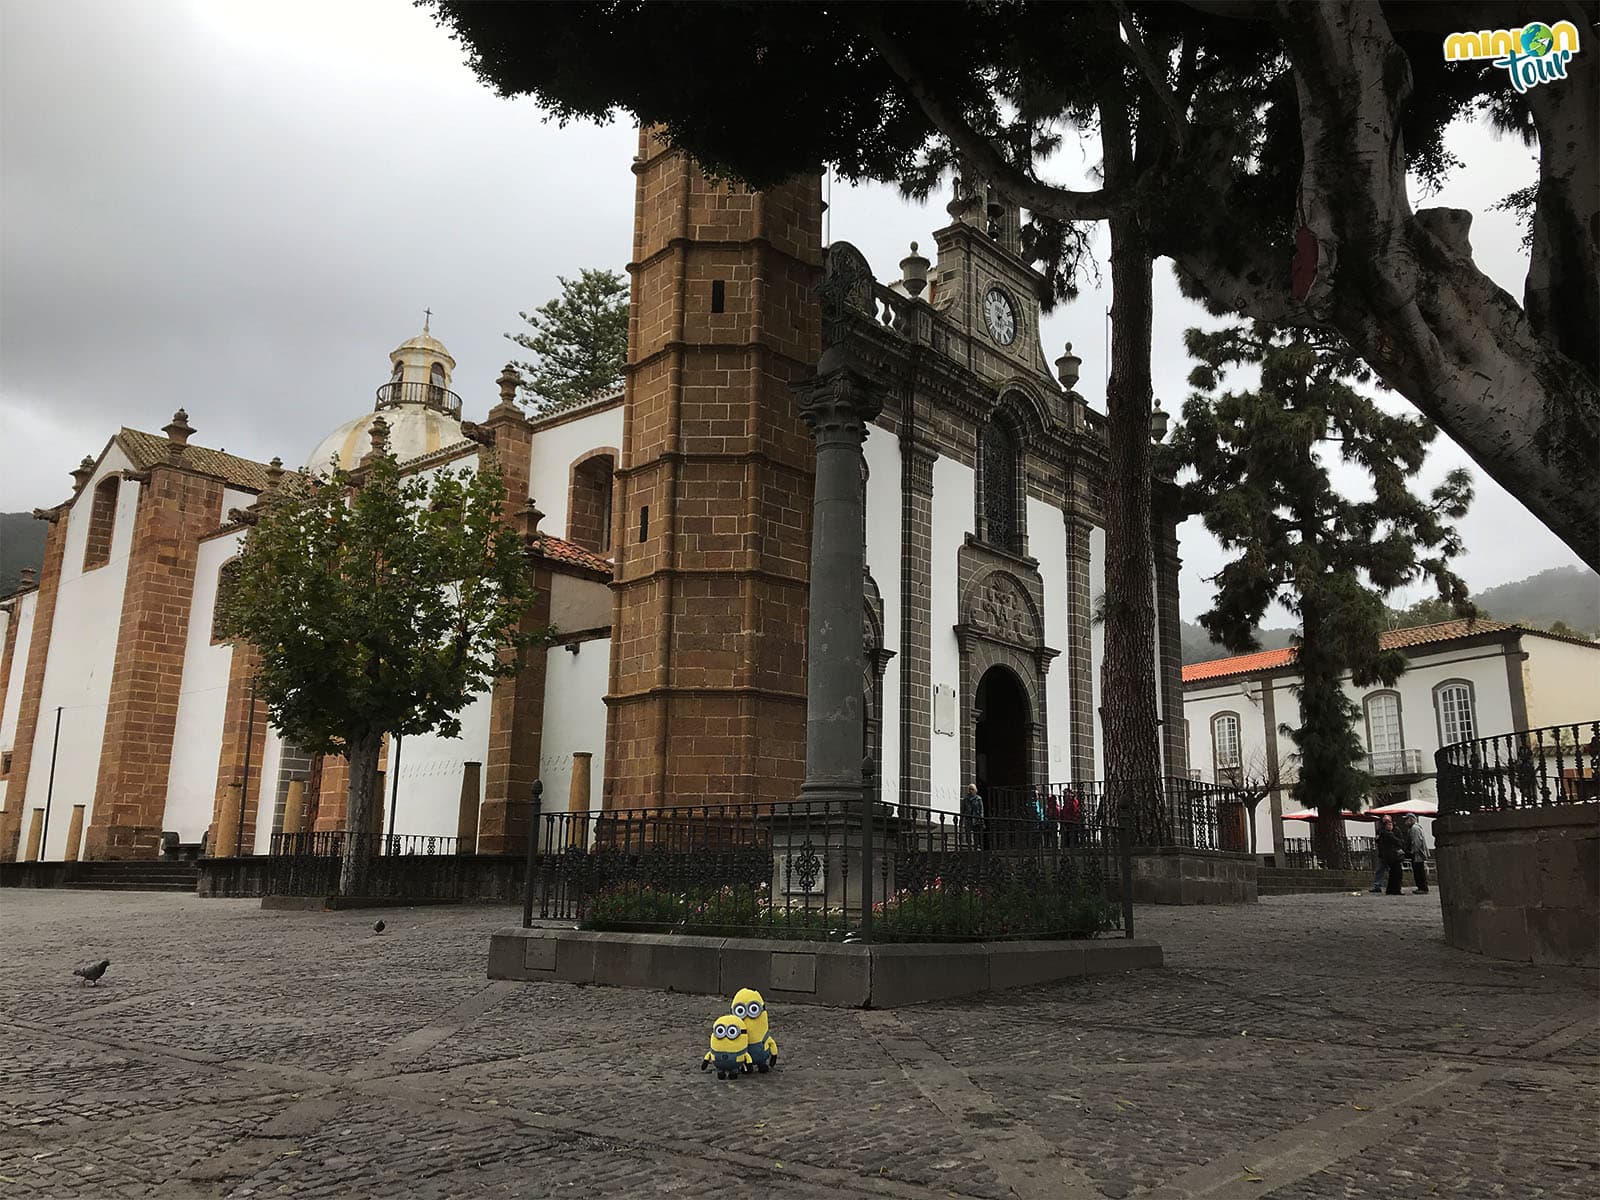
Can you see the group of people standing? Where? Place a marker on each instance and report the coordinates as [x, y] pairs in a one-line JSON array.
[[1397, 845], [1052, 815]]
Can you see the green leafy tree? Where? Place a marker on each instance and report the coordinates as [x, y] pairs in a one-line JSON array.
[[579, 340], [1276, 149], [379, 605], [1428, 611], [1261, 481]]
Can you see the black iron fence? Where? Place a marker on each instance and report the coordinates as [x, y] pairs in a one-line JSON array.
[[1536, 768], [1161, 811], [811, 870], [413, 866], [1353, 854]]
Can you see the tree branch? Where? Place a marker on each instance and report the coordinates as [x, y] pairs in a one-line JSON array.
[[1134, 44], [1042, 199]]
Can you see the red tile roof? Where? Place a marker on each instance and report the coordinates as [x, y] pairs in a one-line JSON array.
[[562, 551], [1394, 639]]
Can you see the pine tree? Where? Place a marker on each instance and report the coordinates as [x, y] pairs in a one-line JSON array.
[[1261, 482], [580, 339]]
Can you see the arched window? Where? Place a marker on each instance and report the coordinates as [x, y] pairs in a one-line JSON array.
[[1001, 463], [399, 370], [1225, 762], [102, 523], [436, 384], [1384, 738], [226, 574], [1453, 703], [589, 501]]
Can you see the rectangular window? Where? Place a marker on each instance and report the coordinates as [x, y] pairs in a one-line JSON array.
[[718, 295], [1225, 739], [1456, 723], [5, 763], [1383, 724], [644, 522]]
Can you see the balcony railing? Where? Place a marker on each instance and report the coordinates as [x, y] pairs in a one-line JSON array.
[[1535, 768], [1388, 763], [430, 395]]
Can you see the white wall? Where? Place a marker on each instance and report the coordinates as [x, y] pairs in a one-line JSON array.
[[553, 453], [271, 756], [83, 648], [202, 701], [23, 611], [1047, 542], [1561, 680], [429, 798], [883, 561], [953, 495], [1097, 638], [577, 604], [574, 719]]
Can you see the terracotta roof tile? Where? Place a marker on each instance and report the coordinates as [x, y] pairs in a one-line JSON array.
[[561, 550], [145, 450], [1394, 639]]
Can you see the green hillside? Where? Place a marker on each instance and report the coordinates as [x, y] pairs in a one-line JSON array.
[[21, 545]]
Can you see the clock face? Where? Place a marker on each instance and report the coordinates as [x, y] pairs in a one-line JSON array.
[[1000, 315]]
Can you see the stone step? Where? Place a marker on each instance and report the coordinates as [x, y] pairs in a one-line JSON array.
[[127, 885]]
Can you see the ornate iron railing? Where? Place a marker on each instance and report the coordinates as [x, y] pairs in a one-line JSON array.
[[331, 843], [795, 871], [431, 395], [1536, 768], [413, 866]]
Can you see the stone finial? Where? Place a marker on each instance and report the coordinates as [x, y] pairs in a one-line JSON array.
[[81, 473], [178, 429], [275, 474], [1068, 367], [509, 381], [529, 517], [914, 272], [26, 577]]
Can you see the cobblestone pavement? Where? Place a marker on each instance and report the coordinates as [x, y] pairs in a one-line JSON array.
[[1327, 1046]]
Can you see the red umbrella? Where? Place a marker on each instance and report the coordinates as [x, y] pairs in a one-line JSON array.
[[1311, 815], [1417, 808]]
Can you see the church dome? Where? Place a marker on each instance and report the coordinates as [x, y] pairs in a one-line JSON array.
[[422, 413]]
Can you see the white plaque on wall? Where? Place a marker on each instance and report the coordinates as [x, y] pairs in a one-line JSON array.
[[944, 708]]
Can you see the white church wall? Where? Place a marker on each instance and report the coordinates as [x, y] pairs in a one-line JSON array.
[[577, 604], [22, 613], [202, 696], [574, 719], [883, 560], [428, 801], [271, 756], [1558, 680], [1097, 638], [83, 646], [953, 498], [555, 449], [1047, 542]]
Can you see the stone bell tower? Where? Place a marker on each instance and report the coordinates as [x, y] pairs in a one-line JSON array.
[[711, 526]]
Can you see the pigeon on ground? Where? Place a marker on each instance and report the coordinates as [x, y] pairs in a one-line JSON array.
[[378, 928], [92, 972]]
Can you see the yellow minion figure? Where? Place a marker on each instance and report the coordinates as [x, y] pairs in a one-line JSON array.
[[749, 1007], [730, 1048]]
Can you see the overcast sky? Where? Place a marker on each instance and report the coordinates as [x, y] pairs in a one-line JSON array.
[[240, 208]]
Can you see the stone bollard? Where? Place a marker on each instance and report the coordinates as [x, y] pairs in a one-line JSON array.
[[74, 834], [467, 810], [294, 807], [35, 831], [227, 822], [578, 798]]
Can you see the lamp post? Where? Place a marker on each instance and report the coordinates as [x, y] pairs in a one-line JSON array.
[[244, 789]]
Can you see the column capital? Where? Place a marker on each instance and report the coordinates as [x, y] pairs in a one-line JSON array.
[[917, 459], [838, 403]]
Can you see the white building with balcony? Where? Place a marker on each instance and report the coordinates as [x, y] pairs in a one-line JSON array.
[[1466, 679]]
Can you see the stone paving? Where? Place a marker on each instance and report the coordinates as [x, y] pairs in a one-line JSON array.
[[1304, 1047]]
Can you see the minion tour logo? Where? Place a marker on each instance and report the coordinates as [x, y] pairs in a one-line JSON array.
[[1537, 53]]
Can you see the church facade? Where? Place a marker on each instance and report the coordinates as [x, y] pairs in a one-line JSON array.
[[672, 531]]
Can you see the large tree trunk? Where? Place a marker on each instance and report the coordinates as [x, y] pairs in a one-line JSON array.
[[359, 842], [1128, 678], [1517, 390]]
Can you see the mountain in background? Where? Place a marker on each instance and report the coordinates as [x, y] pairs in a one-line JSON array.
[[21, 545], [1562, 600]]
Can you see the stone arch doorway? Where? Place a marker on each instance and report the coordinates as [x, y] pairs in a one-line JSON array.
[[1002, 735]]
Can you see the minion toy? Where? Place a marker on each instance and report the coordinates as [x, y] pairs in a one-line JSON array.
[[730, 1048], [749, 1007]]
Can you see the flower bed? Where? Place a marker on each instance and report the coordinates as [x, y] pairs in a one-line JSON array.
[[935, 913]]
